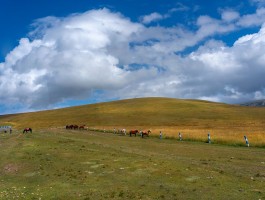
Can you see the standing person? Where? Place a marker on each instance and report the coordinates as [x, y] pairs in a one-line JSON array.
[[160, 135], [141, 133], [180, 137], [10, 130], [246, 139], [209, 138], [114, 131]]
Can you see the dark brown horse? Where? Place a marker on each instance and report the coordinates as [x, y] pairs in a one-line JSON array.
[[145, 133], [69, 126], [27, 129], [75, 127], [133, 132]]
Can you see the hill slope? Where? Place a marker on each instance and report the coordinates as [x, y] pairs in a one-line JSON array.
[[258, 103], [146, 112]]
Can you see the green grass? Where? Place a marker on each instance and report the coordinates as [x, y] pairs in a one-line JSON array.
[[62, 164]]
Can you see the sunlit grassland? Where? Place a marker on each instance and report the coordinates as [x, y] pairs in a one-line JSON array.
[[227, 124], [219, 136], [65, 164]]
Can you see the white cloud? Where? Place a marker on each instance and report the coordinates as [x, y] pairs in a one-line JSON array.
[[68, 59], [230, 15], [105, 55], [147, 19], [251, 20], [155, 16], [209, 26], [259, 95]]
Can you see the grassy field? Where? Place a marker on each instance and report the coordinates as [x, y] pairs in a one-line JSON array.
[[65, 164], [227, 124]]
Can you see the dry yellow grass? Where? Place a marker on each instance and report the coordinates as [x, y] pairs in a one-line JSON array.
[[194, 119], [228, 136]]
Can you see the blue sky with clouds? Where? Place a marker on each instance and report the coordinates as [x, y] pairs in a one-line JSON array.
[[62, 53]]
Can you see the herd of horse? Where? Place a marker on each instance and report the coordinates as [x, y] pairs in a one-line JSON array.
[[75, 127], [134, 132], [121, 131], [141, 133]]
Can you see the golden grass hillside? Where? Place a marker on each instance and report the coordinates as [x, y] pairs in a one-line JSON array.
[[193, 118]]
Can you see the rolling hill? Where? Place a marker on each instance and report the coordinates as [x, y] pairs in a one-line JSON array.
[[193, 118], [142, 112], [258, 103]]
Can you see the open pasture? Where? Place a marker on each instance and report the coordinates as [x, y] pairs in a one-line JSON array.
[[227, 124], [225, 135], [67, 164]]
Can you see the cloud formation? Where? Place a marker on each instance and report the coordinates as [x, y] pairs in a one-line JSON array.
[[152, 17], [102, 54]]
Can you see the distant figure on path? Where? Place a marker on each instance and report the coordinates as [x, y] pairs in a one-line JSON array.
[[180, 137], [209, 138], [114, 130], [160, 135], [246, 139]]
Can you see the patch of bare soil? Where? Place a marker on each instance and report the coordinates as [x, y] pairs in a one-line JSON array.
[[10, 168]]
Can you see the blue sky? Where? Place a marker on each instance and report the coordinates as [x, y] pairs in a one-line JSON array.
[[62, 53]]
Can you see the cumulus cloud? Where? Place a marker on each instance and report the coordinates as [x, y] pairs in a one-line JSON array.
[[68, 59], [155, 16], [102, 54], [230, 15], [151, 18], [251, 20]]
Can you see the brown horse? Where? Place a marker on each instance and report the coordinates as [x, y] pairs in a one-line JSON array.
[[27, 129], [133, 132], [82, 127], [69, 126], [75, 127], [145, 133]]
